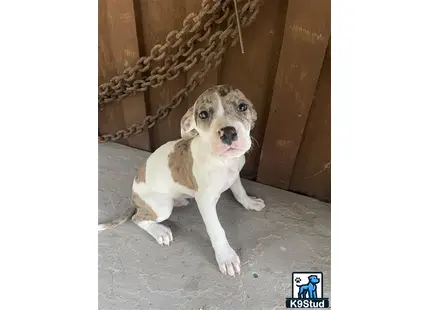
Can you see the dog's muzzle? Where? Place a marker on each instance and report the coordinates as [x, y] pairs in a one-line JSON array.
[[228, 135]]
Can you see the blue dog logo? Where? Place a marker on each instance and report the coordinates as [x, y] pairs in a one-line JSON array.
[[309, 295], [309, 290]]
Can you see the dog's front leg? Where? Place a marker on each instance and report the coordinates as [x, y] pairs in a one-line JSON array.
[[227, 259], [249, 203]]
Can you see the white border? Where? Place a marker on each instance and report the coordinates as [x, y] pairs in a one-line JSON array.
[[380, 150], [380, 153], [48, 161]]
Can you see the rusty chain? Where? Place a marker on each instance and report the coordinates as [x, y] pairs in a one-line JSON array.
[[128, 83]]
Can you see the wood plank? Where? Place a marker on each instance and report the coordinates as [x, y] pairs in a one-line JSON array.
[[254, 71], [194, 6], [158, 19], [111, 117], [118, 49], [312, 170], [306, 36]]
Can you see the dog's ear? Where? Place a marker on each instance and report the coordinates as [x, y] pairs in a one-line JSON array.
[[188, 125], [253, 117]]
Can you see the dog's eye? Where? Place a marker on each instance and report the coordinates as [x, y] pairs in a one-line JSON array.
[[242, 107], [203, 115]]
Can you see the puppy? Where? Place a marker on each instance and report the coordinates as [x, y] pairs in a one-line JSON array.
[[204, 163]]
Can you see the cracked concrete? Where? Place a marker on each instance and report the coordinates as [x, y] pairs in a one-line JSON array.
[[291, 234]]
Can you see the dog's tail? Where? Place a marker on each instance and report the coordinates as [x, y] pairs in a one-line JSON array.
[[112, 224]]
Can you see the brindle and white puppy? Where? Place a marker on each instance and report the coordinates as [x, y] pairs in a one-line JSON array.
[[203, 164]]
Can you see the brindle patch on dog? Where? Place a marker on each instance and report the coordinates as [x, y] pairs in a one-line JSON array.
[[231, 98], [181, 164], [223, 90], [141, 174], [231, 107], [144, 212], [207, 103]]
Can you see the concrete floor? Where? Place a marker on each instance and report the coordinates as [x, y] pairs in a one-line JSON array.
[[291, 234]]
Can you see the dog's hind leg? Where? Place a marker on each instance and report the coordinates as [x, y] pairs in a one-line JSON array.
[[180, 201], [151, 210], [303, 292]]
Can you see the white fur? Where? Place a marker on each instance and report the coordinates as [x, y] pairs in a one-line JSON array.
[[216, 168], [214, 175]]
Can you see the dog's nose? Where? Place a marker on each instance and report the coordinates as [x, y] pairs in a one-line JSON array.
[[228, 135]]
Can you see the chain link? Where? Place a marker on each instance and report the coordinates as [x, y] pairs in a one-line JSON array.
[[121, 86], [133, 81]]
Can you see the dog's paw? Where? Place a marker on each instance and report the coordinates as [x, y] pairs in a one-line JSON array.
[[254, 203], [228, 261], [162, 234]]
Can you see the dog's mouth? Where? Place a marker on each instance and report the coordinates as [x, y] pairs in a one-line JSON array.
[[235, 149], [232, 151]]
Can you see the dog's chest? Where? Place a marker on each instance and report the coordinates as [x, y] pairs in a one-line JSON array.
[[222, 179]]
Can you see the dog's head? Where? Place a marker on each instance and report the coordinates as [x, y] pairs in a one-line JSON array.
[[313, 279], [223, 117]]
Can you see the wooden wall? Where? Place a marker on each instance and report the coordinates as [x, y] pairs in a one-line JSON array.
[[285, 71]]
